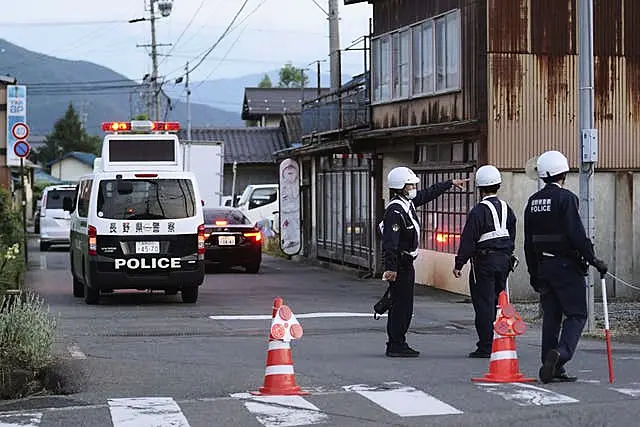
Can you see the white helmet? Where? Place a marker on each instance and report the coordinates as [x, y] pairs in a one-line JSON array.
[[488, 175], [552, 163], [401, 176]]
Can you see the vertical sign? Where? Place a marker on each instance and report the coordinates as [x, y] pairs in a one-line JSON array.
[[290, 237], [16, 113]]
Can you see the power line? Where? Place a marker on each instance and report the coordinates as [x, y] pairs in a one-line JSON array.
[[183, 31], [57, 23]]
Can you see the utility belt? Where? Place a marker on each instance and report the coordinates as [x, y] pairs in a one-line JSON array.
[[408, 256], [580, 262], [486, 252]]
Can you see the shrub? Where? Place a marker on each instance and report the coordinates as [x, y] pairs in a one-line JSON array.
[[12, 266], [27, 332]]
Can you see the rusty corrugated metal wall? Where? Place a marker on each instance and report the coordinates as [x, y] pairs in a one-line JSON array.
[[532, 67]]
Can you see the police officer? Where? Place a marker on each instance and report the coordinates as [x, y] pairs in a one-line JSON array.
[[488, 241], [400, 237], [557, 251]]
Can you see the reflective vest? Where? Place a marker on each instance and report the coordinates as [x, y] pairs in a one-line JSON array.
[[406, 206], [500, 228]]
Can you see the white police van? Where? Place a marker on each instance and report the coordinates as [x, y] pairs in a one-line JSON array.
[[137, 221]]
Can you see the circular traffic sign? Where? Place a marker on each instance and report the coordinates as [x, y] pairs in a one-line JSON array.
[[21, 148], [20, 130]]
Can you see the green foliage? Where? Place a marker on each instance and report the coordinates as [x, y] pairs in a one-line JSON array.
[[265, 82], [141, 117], [12, 264], [291, 76], [27, 332], [67, 136]]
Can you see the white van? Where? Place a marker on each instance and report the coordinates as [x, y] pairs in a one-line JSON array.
[[137, 221], [259, 202], [54, 220]]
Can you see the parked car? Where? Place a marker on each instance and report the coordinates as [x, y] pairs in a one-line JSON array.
[[36, 217], [54, 220], [259, 202], [231, 239]]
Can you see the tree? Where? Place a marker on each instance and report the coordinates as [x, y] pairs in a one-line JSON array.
[[67, 136], [265, 82], [291, 76]]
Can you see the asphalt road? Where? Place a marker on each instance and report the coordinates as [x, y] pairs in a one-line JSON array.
[[151, 360]]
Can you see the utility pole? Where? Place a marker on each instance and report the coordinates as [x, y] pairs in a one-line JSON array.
[[186, 69], [334, 45], [588, 138], [154, 60]]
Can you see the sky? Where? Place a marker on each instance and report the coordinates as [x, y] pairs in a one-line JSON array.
[[267, 34]]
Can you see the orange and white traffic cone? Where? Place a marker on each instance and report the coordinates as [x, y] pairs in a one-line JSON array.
[[279, 376], [503, 365]]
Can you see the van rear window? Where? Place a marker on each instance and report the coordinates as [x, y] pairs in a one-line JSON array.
[[55, 198], [146, 199]]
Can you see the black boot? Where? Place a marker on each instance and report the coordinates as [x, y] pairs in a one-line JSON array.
[[401, 351]]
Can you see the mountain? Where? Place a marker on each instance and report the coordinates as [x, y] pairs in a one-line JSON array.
[[228, 94], [53, 82]]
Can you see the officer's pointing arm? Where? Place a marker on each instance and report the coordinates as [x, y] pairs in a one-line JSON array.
[[431, 193], [391, 239], [575, 229]]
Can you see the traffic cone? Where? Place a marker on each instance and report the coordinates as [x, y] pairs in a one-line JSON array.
[[279, 377], [503, 365]]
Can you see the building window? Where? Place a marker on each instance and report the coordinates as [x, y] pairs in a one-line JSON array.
[[421, 60], [443, 219]]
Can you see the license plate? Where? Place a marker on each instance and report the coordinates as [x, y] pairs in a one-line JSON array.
[[147, 247], [226, 240]]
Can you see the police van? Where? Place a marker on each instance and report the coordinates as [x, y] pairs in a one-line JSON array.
[[137, 221]]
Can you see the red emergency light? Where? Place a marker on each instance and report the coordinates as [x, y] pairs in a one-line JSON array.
[[166, 126], [116, 126]]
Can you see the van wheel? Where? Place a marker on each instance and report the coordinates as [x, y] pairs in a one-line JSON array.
[[190, 294], [91, 295], [78, 287], [44, 246]]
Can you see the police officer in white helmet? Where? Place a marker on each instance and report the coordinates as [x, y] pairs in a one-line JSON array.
[[400, 238], [488, 240], [557, 251]]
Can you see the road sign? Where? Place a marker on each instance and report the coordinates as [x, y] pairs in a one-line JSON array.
[[21, 148], [20, 130]]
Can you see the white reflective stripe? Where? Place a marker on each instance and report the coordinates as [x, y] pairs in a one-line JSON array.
[[407, 208], [503, 355], [279, 345], [279, 370], [499, 226]]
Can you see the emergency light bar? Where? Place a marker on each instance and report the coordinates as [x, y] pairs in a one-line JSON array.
[[140, 126]]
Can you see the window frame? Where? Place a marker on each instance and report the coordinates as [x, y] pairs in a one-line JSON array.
[[386, 53]]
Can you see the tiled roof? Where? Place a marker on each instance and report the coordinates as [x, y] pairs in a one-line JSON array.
[[243, 145], [291, 127], [275, 101]]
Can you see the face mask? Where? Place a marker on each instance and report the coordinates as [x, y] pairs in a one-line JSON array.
[[412, 194]]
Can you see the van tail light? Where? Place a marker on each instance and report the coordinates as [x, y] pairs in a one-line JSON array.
[[201, 239], [256, 237], [92, 233]]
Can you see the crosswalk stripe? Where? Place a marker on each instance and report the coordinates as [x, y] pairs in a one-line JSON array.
[[527, 394], [278, 411], [403, 400], [21, 420], [632, 390], [146, 412]]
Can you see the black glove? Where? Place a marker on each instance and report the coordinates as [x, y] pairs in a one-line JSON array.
[[601, 266]]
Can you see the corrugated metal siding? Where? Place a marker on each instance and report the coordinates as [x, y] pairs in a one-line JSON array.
[[532, 108], [533, 80], [469, 104]]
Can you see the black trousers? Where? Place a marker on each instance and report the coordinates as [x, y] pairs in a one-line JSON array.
[[487, 279], [402, 305], [563, 292]]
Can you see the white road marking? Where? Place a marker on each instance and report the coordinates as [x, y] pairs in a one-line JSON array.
[[299, 316], [146, 412], [43, 262], [21, 420], [282, 411], [403, 400], [628, 358], [632, 390], [75, 352], [527, 394]]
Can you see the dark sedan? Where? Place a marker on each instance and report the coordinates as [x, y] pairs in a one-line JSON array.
[[231, 239]]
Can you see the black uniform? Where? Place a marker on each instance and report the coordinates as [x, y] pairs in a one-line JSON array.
[[488, 241], [557, 251], [400, 237]]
